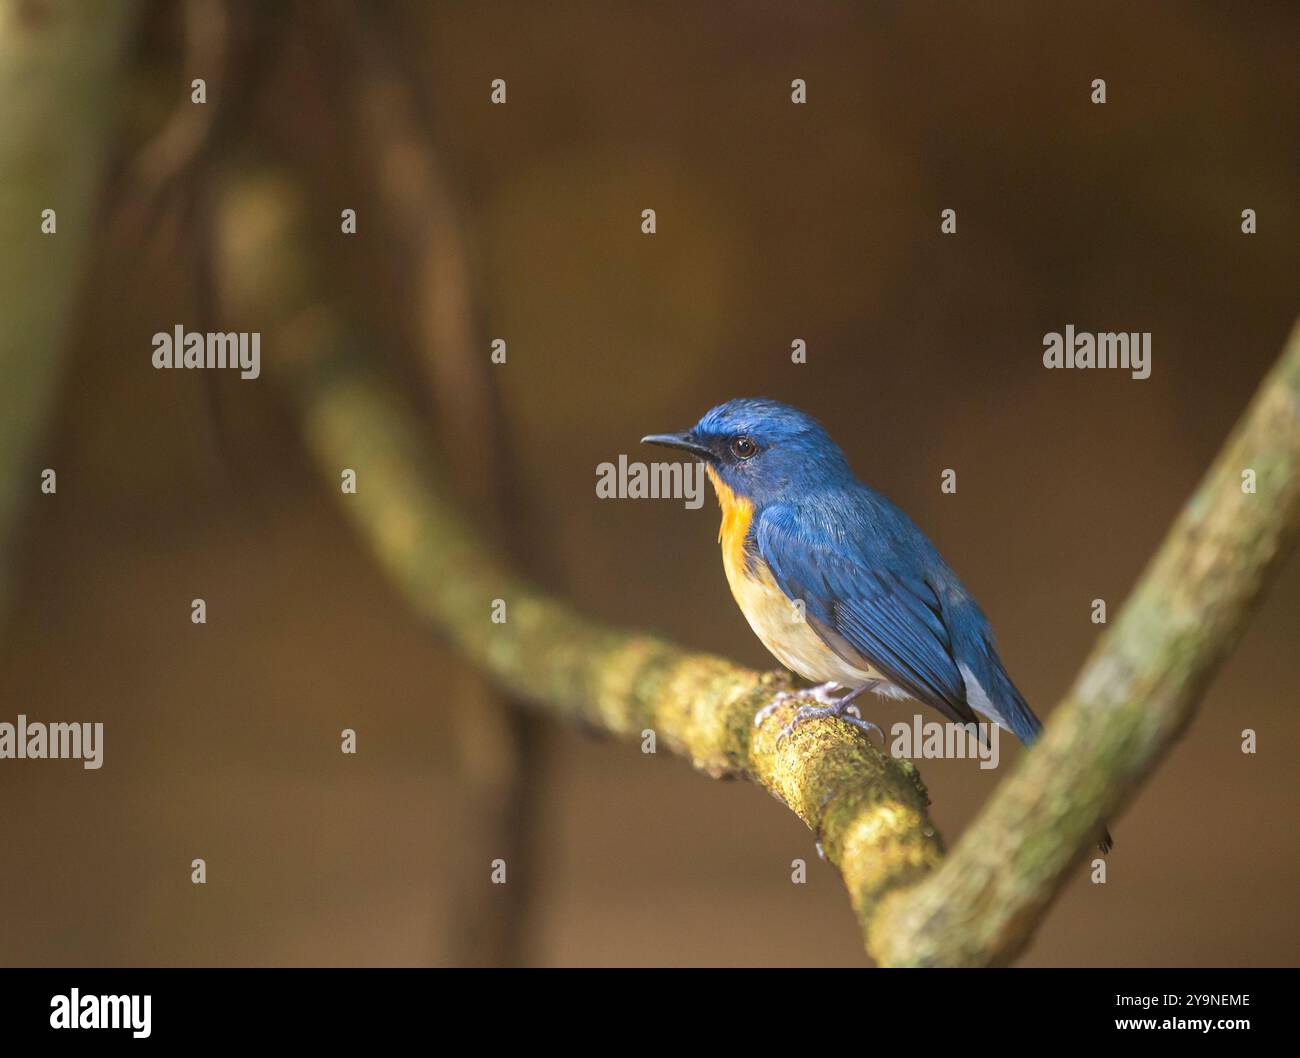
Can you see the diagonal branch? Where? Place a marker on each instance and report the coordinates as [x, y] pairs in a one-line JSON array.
[[1137, 690], [1136, 693]]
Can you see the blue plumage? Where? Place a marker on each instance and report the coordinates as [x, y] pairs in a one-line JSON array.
[[874, 585], [855, 590]]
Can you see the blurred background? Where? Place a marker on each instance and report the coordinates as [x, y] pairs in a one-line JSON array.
[[522, 221]]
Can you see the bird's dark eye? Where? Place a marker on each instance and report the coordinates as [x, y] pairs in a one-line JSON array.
[[743, 447]]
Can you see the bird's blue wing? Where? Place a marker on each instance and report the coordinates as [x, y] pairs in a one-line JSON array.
[[875, 610]]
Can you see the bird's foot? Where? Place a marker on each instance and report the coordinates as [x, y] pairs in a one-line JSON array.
[[820, 693], [841, 710]]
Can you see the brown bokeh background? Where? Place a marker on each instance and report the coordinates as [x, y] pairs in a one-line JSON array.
[[775, 222]]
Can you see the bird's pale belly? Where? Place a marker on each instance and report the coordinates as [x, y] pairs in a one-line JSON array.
[[781, 627], [775, 619]]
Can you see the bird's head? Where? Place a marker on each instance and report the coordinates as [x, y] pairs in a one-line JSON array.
[[761, 450]]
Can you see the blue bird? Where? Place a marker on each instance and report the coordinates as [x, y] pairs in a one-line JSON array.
[[881, 610]]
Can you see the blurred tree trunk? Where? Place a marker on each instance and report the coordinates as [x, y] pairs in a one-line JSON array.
[[59, 65]]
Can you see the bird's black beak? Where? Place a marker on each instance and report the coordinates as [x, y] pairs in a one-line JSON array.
[[684, 441]]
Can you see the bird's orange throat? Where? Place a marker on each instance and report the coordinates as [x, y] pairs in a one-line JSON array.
[[737, 514]]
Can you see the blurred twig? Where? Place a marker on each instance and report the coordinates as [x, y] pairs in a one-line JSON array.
[[178, 148], [229, 44]]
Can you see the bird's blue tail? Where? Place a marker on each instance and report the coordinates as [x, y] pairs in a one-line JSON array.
[[1013, 711]]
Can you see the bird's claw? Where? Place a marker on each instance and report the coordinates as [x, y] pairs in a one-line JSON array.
[[849, 714], [820, 693], [770, 708], [840, 708]]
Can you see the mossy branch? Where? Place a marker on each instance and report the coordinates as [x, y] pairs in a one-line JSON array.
[[981, 905], [868, 809]]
